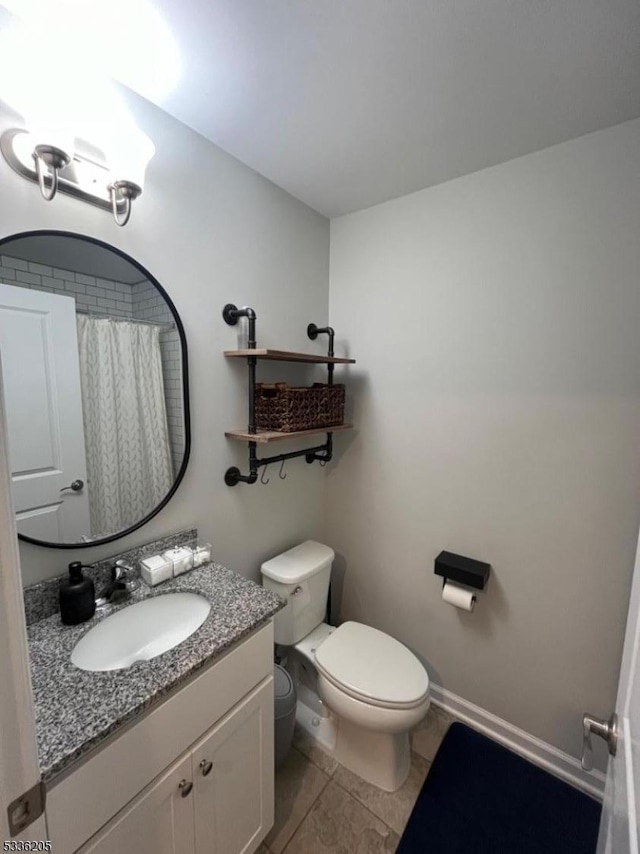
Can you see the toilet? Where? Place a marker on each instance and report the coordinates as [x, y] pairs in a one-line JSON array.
[[359, 690]]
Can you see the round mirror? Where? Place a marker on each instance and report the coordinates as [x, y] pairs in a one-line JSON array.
[[94, 366]]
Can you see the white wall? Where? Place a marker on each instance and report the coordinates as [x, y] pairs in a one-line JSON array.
[[212, 231], [496, 324]]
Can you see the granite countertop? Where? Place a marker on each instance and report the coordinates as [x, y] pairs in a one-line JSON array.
[[77, 709]]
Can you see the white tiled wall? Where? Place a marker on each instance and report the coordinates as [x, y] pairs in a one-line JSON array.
[[140, 301], [90, 293], [149, 304]]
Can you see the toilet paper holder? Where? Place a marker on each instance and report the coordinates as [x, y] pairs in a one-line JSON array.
[[462, 570]]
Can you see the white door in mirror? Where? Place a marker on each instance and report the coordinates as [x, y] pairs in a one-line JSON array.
[[44, 414], [141, 631]]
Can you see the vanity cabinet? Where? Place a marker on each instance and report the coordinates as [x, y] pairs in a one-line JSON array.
[[233, 779], [215, 800], [215, 733], [158, 821]]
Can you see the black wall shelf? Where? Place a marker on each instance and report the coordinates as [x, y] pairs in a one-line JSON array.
[[321, 453]]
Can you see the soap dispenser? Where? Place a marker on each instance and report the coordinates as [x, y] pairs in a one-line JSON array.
[[77, 596]]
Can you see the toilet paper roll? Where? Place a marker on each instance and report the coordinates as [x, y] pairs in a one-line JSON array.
[[459, 596]]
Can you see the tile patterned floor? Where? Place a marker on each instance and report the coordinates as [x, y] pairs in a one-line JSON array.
[[321, 808]]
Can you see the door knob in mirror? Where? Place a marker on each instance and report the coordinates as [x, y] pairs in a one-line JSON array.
[[74, 486]]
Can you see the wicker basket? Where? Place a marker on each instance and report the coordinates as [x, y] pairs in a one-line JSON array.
[[288, 408]]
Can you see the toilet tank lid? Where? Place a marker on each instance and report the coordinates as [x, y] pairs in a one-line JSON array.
[[298, 563]]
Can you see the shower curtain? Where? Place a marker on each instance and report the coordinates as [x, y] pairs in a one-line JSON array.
[[129, 468]]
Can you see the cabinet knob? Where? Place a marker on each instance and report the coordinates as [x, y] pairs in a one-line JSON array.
[[205, 767], [185, 787]]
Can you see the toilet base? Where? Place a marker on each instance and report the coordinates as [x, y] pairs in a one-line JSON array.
[[381, 758], [322, 729]]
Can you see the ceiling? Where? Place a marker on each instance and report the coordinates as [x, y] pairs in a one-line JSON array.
[[347, 103]]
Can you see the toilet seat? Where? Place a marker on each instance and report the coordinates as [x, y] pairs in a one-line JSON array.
[[372, 667]]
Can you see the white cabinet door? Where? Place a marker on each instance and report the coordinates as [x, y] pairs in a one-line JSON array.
[[158, 821], [40, 364], [234, 777]]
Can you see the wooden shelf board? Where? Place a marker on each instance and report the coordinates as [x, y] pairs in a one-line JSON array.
[[286, 356], [264, 436]]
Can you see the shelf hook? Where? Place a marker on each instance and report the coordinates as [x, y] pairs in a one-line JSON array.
[[264, 471], [280, 475]]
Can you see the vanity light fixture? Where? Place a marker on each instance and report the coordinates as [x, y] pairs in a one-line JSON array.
[[62, 167], [85, 142], [54, 159], [122, 194]]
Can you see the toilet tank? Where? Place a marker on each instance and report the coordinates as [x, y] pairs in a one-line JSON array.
[[301, 577]]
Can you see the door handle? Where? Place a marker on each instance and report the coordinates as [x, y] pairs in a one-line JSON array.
[[205, 767], [74, 486], [607, 730]]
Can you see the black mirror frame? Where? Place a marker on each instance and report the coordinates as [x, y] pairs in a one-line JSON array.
[[185, 387]]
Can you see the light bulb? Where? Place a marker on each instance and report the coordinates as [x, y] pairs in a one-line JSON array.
[[128, 155]]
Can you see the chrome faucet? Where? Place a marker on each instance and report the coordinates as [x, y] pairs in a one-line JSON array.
[[124, 580]]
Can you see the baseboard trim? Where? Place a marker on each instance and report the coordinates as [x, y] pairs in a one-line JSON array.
[[537, 751]]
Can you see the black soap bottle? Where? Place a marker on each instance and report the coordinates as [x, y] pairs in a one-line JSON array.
[[77, 596]]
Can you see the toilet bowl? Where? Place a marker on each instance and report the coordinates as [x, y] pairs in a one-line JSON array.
[[372, 687]]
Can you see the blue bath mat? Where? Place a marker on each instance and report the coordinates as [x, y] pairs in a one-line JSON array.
[[480, 798]]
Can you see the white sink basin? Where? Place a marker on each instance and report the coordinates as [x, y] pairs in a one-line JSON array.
[[141, 631]]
